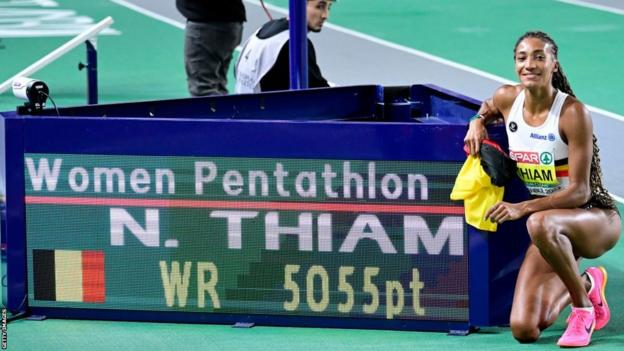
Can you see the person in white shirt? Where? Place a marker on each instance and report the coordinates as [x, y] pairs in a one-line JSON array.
[[263, 64]]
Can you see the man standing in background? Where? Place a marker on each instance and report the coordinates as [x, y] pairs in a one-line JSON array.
[[263, 64], [214, 28]]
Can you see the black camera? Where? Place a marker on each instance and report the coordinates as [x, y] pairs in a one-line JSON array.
[[35, 92]]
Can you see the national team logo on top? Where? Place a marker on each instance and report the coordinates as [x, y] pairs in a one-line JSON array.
[[513, 126]]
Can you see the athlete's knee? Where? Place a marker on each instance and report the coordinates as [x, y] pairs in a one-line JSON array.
[[525, 332], [540, 228]]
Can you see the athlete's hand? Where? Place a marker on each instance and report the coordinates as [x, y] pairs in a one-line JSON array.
[[476, 133], [504, 211]]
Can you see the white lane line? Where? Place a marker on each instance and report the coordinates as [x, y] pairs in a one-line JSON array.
[[617, 198], [419, 53], [278, 9], [156, 16], [149, 13], [372, 39], [395, 46], [375, 40], [594, 6], [428, 56], [606, 113]]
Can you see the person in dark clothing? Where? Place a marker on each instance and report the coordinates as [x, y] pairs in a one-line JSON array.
[[264, 62], [278, 77], [214, 28]]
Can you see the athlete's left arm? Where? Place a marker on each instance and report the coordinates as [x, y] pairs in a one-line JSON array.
[[575, 126]]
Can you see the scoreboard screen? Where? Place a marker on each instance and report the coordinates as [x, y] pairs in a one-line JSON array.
[[372, 239]]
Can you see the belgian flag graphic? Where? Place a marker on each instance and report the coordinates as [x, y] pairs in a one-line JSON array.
[[64, 275]]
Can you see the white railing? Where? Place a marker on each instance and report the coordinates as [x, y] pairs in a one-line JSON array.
[[60, 51]]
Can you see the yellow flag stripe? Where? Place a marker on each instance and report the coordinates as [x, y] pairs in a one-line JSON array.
[[68, 274]]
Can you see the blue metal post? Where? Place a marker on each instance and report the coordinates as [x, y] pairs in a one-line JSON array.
[[298, 44], [92, 84]]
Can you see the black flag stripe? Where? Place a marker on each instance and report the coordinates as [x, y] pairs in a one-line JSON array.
[[44, 281]]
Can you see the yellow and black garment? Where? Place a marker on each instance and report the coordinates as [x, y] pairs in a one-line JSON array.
[[480, 183]]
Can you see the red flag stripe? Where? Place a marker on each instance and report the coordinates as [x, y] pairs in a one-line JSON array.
[[93, 283]]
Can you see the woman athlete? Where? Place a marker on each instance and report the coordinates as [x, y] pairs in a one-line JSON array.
[[570, 215]]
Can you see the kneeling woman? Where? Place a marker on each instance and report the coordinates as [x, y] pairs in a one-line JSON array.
[[571, 215]]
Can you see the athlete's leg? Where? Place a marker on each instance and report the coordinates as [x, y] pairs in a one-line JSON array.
[[540, 293], [563, 235], [539, 297]]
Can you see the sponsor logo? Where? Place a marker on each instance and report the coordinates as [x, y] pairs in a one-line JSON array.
[[525, 157], [539, 136], [551, 137], [546, 158], [513, 126]]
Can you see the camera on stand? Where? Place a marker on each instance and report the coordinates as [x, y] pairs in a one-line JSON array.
[[35, 92]]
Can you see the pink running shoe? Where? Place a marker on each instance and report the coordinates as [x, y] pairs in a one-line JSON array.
[[598, 278], [581, 325]]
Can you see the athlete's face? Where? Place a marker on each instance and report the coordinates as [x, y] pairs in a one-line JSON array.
[[535, 62], [318, 13]]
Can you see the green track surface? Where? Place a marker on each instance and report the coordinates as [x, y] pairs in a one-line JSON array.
[[145, 62], [482, 33]]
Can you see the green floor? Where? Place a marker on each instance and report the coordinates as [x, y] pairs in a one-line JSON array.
[[482, 33], [145, 62]]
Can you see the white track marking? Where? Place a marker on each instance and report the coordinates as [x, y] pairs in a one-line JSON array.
[[617, 198], [375, 40], [402, 48], [430, 57], [591, 5], [149, 13]]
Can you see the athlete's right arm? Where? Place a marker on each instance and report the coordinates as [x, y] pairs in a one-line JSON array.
[[491, 109]]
